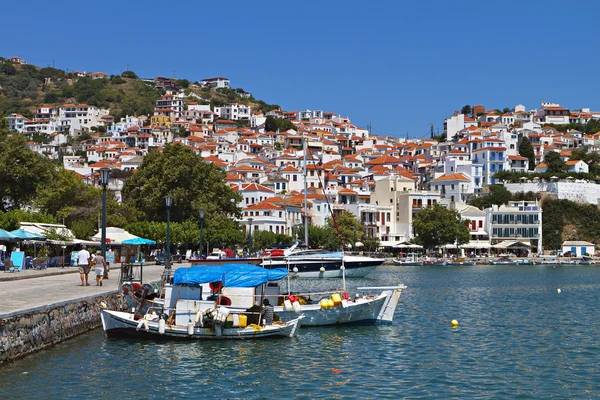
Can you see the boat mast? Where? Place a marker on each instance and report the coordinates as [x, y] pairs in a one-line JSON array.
[[305, 196]]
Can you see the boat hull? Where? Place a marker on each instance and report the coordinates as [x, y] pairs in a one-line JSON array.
[[364, 311], [122, 324], [408, 263]]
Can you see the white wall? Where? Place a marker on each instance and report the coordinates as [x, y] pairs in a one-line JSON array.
[[574, 191]]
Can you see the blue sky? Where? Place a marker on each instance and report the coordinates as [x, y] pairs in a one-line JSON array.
[[401, 65]]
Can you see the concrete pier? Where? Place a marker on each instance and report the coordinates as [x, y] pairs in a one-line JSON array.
[[42, 308]]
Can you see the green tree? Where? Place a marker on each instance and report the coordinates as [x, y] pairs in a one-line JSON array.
[[526, 150], [22, 172], [343, 228], [554, 162], [265, 239], [69, 198], [129, 74], [12, 219], [467, 110], [437, 225], [497, 195], [193, 184], [273, 124]]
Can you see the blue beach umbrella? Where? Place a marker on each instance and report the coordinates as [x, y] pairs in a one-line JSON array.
[[23, 234], [7, 236], [138, 241]]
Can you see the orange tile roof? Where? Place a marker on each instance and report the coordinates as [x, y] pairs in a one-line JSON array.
[[452, 177]]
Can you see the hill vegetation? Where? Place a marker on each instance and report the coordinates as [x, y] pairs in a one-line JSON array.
[[24, 87]]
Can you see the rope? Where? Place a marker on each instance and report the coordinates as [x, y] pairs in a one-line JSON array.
[[421, 311]]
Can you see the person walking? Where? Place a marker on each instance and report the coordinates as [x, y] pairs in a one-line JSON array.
[[99, 265], [83, 261]]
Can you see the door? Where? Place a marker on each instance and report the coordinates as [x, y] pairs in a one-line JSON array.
[[573, 251]]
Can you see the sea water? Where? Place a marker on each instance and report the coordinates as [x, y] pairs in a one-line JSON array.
[[518, 337]]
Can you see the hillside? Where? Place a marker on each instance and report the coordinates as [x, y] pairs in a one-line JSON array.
[[24, 87], [566, 220]]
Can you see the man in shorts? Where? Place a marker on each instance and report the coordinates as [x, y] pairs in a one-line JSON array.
[[83, 261]]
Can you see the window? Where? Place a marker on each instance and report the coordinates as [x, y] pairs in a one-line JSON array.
[[295, 178]]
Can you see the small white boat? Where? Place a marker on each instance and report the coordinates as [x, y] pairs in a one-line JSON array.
[[123, 324], [362, 310], [411, 259]]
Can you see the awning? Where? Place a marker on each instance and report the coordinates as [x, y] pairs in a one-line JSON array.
[[388, 243], [505, 244], [407, 245], [477, 244]]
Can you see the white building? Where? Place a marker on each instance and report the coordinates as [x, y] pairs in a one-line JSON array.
[[453, 125], [234, 112], [218, 82], [517, 221], [81, 115]]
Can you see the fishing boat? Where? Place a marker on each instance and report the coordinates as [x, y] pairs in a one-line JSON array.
[[366, 309], [435, 263], [411, 259], [585, 260], [183, 312], [460, 262]]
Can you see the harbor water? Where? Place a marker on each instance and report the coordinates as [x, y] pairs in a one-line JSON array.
[[518, 337]]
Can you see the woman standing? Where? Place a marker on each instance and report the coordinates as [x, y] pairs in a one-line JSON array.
[[100, 264]]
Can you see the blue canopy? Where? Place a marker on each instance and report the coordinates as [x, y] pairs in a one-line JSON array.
[[232, 275], [6, 235], [138, 241], [23, 234]]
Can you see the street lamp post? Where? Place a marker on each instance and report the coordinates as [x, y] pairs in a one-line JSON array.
[[169, 203], [557, 243], [250, 236], [104, 175], [201, 229]]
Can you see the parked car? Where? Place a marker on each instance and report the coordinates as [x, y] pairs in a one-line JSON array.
[[160, 258], [569, 254]]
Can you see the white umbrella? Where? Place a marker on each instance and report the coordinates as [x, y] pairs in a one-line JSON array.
[[116, 235]]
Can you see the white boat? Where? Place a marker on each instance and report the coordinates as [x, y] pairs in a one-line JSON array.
[[183, 312], [317, 263], [123, 324], [362, 310], [411, 259]]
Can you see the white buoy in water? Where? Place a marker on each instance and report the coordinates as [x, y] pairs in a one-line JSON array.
[[190, 328], [295, 270], [322, 269], [342, 268], [161, 326], [558, 290]]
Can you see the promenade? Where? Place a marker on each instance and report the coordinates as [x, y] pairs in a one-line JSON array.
[[23, 291]]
